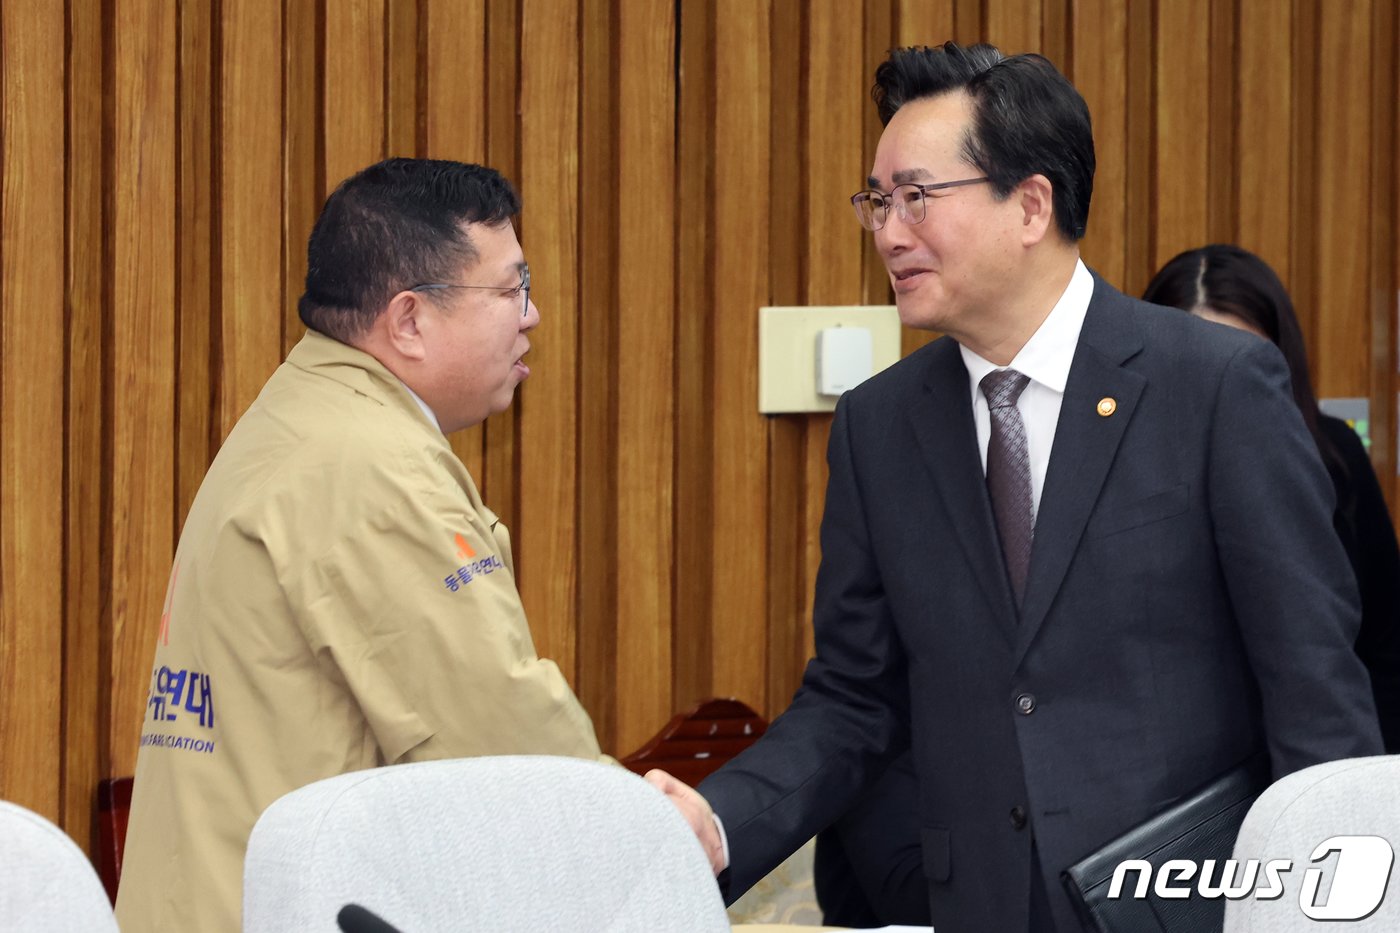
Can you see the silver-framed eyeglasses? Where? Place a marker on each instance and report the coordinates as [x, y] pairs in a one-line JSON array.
[[873, 207], [511, 291]]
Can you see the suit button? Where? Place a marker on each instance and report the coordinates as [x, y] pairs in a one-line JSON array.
[[1018, 818], [1025, 704]]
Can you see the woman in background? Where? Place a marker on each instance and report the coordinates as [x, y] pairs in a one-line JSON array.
[[1234, 287]]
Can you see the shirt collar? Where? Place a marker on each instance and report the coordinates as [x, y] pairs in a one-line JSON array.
[[421, 404], [1047, 356]]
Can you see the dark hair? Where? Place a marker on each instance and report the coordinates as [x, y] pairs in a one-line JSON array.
[[396, 224], [1231, 280], [1027, 118]]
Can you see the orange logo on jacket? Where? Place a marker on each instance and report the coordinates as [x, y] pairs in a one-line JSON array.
[[464, 550]]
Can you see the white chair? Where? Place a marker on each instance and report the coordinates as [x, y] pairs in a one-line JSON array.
[[47, 884], [1357, 799], [522, 843]]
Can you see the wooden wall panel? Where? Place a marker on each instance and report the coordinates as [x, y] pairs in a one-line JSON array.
[[922, 22], [354, 54], [403, 77], [739, 457], [303, 177], [1384, 240], [1182, 164], [835, 75], [250, 191], [1100, 74], [1014, 25], [789, 206], [31, 405], [86, 655], [681, 165], [645, 372], [545, 541], [695, 497], [142, 357], [1340, 349], [197, 431], [600, 228], [1265, 130]]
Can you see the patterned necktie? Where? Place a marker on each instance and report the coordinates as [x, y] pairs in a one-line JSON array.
[[1009, 474]]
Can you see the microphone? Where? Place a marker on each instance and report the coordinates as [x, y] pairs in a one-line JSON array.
[[355, 919]]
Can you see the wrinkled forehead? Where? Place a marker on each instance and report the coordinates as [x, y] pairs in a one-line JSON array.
[[923, 142]]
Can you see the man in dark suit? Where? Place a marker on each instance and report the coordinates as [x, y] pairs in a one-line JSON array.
[[1078, 554]]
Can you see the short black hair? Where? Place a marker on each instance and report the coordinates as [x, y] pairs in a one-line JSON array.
[[397, 224], [1027, 118]]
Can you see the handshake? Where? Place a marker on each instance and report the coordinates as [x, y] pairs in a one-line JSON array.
[[697, 813]]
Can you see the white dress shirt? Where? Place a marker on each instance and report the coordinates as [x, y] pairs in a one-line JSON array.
[[1046, 359]]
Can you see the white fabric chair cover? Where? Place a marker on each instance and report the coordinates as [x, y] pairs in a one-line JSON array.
[[1352, 797], [47, 885], [523, 843]]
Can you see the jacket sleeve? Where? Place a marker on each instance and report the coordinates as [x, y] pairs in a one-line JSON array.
[[418, 615], [848, 718], [1287, 576]]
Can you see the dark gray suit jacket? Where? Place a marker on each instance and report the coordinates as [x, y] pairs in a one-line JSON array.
[[1188, 604]]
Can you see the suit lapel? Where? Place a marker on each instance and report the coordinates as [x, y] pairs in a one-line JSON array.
[[942, 422], [1085, 444]]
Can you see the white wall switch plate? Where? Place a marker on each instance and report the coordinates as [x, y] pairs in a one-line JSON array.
[[787, 352]]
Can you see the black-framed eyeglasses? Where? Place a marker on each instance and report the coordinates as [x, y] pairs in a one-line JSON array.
[[511, 290], [873, 207]]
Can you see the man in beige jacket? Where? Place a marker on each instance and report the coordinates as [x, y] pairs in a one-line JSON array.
[[341, 598]]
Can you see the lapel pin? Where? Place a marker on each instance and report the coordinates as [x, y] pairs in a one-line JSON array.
[[1107, 406]]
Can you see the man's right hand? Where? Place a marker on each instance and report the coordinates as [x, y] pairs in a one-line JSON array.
[[697, 813]]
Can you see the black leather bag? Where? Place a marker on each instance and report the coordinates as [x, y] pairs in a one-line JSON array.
[[1201, 826]]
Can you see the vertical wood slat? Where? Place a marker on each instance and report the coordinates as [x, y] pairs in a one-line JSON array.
[[195, 295], [1140, 128], [833, 242], [249, 192], [598, 621], [353, 117], [142, 352], [401, 77], [923, 22], [1014, 25], [1182, 76], [1100, 74], [739, 456], [500, 475], [1264, 160], [1221, 90], [692, 634], [1385, 271], [645, 372], [86, 665], [787, 275], [1343, 188], [455, 124], [31, 405], [302, 181], [1304, 201], [547, 560]]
